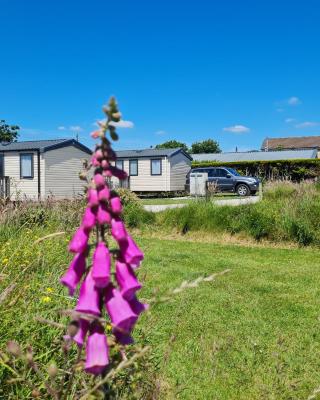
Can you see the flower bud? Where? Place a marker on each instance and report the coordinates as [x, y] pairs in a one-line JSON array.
[[14, 348], [99, 155], [83, 176], [99, 181], [52, 370], [96, 134], [35, 393], [73, 328]]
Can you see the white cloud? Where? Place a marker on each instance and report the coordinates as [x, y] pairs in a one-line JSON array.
[[294, 101], [122, 124], [237, 129], [61, 128], [160, 133], [307, 124], [280, 109], [288, 120], [75, 128]]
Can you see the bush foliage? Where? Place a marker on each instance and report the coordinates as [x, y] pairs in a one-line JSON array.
[[288, 212], [295, 170]]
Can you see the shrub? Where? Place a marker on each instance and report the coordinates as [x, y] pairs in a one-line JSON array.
[[296, 170]]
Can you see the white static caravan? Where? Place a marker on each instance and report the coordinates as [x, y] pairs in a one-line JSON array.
[[39, 169], [155, 170]]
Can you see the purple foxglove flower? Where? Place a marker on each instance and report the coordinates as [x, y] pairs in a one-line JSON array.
[[93, 199], [127, 280], [80, 336], [97, 351], [107, 173], [118, 230], [136, 306], [130, 252], [104, 194], [119, 310], [101, 265], [123, 338], [74, 273], [89, 219], [79, 241], [98, 155], [105, 164], [103, 216], [99, 181], [116, 205], [118, 173], [95, 162], [89, 297]]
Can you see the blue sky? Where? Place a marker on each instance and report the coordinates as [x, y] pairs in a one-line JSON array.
[[235, 71]]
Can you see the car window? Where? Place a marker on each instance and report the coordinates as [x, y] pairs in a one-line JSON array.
[[211, 172], [222, 173]]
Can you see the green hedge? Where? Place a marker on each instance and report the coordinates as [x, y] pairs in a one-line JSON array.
[[279, 169]]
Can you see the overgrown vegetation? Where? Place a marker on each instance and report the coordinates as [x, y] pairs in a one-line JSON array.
[[288, 212], [295, 170]]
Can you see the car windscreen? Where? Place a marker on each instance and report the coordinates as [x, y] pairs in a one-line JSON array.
[[233, 171]]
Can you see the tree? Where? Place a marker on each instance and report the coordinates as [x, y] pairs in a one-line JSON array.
[[8, 133], [172, 144], [206, 146]]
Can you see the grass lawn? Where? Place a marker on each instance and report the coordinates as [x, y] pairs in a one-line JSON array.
[[253, 333], [177, 200]]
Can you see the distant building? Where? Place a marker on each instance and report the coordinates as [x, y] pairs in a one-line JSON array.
[[38, 169], [256, 156], [292, 143], [154, 170]]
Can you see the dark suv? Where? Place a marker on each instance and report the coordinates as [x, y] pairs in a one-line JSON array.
[[229, 180]]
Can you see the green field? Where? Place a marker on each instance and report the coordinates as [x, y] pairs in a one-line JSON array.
[[252, 333]]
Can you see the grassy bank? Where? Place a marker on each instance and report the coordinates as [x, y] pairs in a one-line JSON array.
[[288, 212]]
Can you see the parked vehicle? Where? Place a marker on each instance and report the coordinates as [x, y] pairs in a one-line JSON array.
[[228, 180]]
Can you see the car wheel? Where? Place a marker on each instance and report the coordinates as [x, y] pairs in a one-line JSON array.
[[243, 190]]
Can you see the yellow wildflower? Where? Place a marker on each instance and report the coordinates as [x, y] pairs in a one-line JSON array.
[[49, 290], [46, 299], [5, 261]]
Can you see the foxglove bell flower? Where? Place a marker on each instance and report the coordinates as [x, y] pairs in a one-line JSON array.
[[127, 280], [101, 266], [97, 351], [120, 311], [99, 181], [80, 336], [136, 306], [104, 194], [89, 219], [74, 274], [89, 297], [103, 215], [118, 230], [79, 241], [122, 338], [92, 197], [116, 205], [130, 252]]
